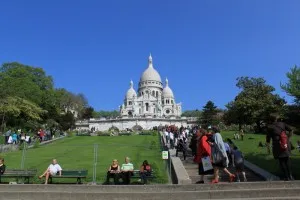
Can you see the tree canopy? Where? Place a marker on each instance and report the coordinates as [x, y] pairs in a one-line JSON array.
[[292, 88], [29, 99], [254, 104]]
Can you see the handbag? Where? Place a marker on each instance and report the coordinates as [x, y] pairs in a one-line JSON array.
[[206, 162]]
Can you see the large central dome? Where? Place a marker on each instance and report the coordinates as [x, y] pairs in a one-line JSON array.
[[150, 74]]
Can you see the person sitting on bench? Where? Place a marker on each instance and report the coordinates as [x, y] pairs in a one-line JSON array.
[[52, 170], [127, 171], [145, 171], [2, 166], [113, 172]]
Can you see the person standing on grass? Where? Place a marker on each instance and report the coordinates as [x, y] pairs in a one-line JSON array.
[[52, 170], [277, 131], [127, 171], [219, 156], [238, 163]]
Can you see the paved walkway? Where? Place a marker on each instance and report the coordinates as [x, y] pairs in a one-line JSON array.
[[192, 170]]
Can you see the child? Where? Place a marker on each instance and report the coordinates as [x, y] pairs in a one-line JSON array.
[[238, 163]]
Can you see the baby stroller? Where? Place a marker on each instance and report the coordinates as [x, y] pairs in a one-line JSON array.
[[181, 147]]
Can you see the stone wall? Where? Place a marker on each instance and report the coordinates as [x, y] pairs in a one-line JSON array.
[[129, 123]]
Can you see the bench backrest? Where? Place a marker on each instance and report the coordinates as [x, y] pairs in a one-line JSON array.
[[137, 172], [80, 172], [28, 172]]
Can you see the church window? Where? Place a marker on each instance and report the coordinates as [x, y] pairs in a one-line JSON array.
[[140, 111], [129, 102], [168, 111], [154, 110], [147, 107], [156, 93], [172, 102], [153, 93]]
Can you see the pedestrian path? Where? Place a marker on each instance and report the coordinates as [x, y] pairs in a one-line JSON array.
[[192, 170]]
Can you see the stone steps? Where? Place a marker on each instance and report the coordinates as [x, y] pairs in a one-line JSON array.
[[84, 194], [149, 188], [192, 170]]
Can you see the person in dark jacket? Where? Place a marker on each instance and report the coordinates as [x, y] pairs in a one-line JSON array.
[[283, 156]]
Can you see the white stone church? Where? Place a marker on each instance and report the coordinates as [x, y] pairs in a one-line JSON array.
[[152, 99], [153, 105]]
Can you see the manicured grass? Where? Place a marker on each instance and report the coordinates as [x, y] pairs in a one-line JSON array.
[[259, 156], [77, 152]]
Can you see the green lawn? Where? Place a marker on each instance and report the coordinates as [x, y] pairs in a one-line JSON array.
[[77, 152], [259, 155]]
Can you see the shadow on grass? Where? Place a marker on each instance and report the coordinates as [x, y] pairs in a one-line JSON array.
[[268, 163]]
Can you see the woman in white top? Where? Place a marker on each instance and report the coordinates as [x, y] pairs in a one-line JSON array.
[[52, 170]]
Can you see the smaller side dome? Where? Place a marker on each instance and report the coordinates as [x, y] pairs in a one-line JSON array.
[[167, 92], [131, 92]]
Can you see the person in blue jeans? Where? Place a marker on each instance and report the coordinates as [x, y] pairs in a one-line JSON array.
[[145, 170]]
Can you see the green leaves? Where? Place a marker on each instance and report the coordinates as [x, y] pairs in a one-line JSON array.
[[28, 96], [254, 103], [16, 106], [292, 88]]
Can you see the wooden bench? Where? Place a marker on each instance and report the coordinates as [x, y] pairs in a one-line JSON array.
[[78, 174], [136, 174], [19, 173]]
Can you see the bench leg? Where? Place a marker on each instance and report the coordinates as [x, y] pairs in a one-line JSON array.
[[50, 179], [78, 180]]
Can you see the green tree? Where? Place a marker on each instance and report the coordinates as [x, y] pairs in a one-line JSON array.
[[254, 104], [292, 88], [209, 114], [19, 111], [192, 113], [67, 121], [25, 82], [106, 114], [87, 113]]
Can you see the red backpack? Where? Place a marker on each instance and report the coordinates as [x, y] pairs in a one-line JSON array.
[[283, 140]]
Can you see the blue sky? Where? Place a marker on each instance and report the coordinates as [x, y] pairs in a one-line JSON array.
[[202, 46]]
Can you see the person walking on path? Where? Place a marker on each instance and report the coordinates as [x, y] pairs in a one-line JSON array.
[[203, 150], [238, 163], [219, 156], [281, 146]]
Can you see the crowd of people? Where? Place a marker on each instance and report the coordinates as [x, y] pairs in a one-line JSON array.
[[209, 151], [213, 154], [19, 136]]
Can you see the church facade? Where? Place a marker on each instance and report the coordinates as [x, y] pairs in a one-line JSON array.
[[152, 99], [152, 105]]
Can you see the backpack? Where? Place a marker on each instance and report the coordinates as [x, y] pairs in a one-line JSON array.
[[283, 141]]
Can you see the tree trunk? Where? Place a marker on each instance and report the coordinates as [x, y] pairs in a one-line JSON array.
[[258, 127]]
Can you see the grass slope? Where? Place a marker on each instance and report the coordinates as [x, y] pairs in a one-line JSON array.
[[78, 153], [259, 155]]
